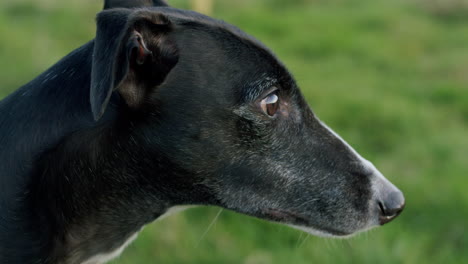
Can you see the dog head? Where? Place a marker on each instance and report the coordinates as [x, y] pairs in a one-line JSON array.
[[228, 117]]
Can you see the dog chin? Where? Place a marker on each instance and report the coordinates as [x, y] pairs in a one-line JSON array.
[[328, 234]]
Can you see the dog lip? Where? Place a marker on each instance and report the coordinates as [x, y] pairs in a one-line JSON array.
[[284, 215], [290, 217]]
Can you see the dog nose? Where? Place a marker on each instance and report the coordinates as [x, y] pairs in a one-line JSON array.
[[391, 206]]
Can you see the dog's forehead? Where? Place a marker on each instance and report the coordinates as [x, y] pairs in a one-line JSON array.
[[262, 76], [187, 18]]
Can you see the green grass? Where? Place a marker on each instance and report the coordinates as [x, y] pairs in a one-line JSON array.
[[390, 76]]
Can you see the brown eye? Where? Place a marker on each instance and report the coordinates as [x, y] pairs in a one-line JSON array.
[[270, 104]]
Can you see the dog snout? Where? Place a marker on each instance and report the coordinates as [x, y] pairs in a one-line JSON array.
[[390, 206]]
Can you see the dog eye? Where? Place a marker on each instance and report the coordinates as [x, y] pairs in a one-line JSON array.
[[270, 104]]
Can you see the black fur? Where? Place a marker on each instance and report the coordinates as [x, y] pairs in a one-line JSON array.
[[132, 3], [162, 109]]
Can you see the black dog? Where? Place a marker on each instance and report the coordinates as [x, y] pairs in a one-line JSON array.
[[165, 108]]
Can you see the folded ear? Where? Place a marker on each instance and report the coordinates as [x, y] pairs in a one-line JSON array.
[[132, 55], [133, 3]]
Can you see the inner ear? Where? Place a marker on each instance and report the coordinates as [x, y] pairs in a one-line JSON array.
[[133, 53], [137, 49], [150, 55], [135, 86]]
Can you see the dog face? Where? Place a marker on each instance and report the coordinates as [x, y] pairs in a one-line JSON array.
[[232, 123]]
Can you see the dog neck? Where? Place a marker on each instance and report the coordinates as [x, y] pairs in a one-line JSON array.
[[92, 194]]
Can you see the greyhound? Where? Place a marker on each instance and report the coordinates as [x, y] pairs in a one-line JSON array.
[[168, 108]]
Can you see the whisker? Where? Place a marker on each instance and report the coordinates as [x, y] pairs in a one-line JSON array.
[[303, 241], [209, 227], [299, 242]]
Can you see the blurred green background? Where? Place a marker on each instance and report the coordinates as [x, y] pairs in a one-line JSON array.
[[390, 76]]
